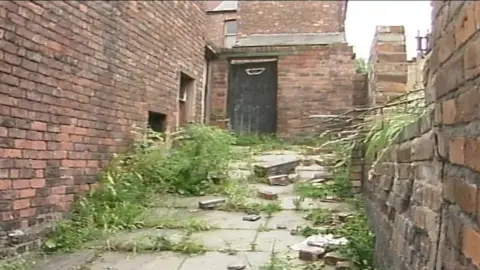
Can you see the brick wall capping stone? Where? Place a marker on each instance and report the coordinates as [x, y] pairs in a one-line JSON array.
[[291, 39], [390, 37], [400, 29]]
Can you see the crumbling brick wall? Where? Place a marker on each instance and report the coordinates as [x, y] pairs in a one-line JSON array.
[[74, 78], [387, 64], [290, 17], [423, 194]]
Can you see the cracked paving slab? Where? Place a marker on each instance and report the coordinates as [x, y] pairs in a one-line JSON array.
[[131, 261], [277, 240], [239, 240], [220, 261], [289, 219], [230, 220], [66, 261]]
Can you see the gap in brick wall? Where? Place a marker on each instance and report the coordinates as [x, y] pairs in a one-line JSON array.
[[157, 121]]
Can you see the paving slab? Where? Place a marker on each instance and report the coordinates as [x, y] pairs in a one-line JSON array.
[[275, 159], [230, 220], [281, 238], [131, 261], [277, 189], [286, 203], [128, 237], [183, 202], [215, 240], [220, 261], [309, 172], [282, 152], [66, 261], [290, 219]]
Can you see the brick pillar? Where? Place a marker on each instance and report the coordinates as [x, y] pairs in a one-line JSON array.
[[388, 64]]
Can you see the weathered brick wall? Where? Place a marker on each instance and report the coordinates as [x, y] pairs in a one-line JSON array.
[[216, 26], [423, 195], [312, 80], [388, 64], [403, 198], [282, 17], [454, 71], [415, 73], [74, 77]]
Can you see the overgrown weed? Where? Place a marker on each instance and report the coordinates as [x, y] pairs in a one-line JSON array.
[[361, 240], [341, 187], [157, 243], [198, 162], [19, 264]]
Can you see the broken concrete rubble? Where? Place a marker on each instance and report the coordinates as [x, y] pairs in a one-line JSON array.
[[252, 218], [334, 257], [276, 167], [343, 265], [279, 180], [211, 204], [324, 241], [311, 253], [236, 267], [293, 178], [308, 162], [267, 195]]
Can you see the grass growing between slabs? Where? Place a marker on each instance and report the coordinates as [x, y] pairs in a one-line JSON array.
[[195, 166]]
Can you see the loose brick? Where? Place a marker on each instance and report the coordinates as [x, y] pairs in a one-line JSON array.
[[279, 180], [311, 253], [267, 195]]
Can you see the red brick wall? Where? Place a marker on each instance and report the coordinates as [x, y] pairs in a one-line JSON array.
[[216, 26], [454, 69], [74, 77], [279, 17], [424, 193], [311, 80]]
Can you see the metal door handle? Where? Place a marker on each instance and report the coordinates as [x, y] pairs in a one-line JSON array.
[[254, 71]]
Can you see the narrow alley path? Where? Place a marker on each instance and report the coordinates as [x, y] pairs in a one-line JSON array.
[[218, 239]]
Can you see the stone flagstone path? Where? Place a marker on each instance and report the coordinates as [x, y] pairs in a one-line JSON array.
[[251, 241]]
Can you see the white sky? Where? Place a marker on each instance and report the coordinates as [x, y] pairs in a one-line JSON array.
[[364, 16]]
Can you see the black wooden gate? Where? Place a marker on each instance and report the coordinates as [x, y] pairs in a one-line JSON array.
[[252, 97]]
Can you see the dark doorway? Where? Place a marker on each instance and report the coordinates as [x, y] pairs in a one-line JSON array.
[[157, 121], [185, 99], [252, 97]]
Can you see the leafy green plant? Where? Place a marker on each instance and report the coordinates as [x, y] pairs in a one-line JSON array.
[[196, 163], [271, 208], [18, 264], [115, 206], [361, 66], [320, 216], [361, 244], [200, 158], [297, 202]]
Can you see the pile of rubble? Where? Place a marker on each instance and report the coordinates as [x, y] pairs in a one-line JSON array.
[[323, 247]]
